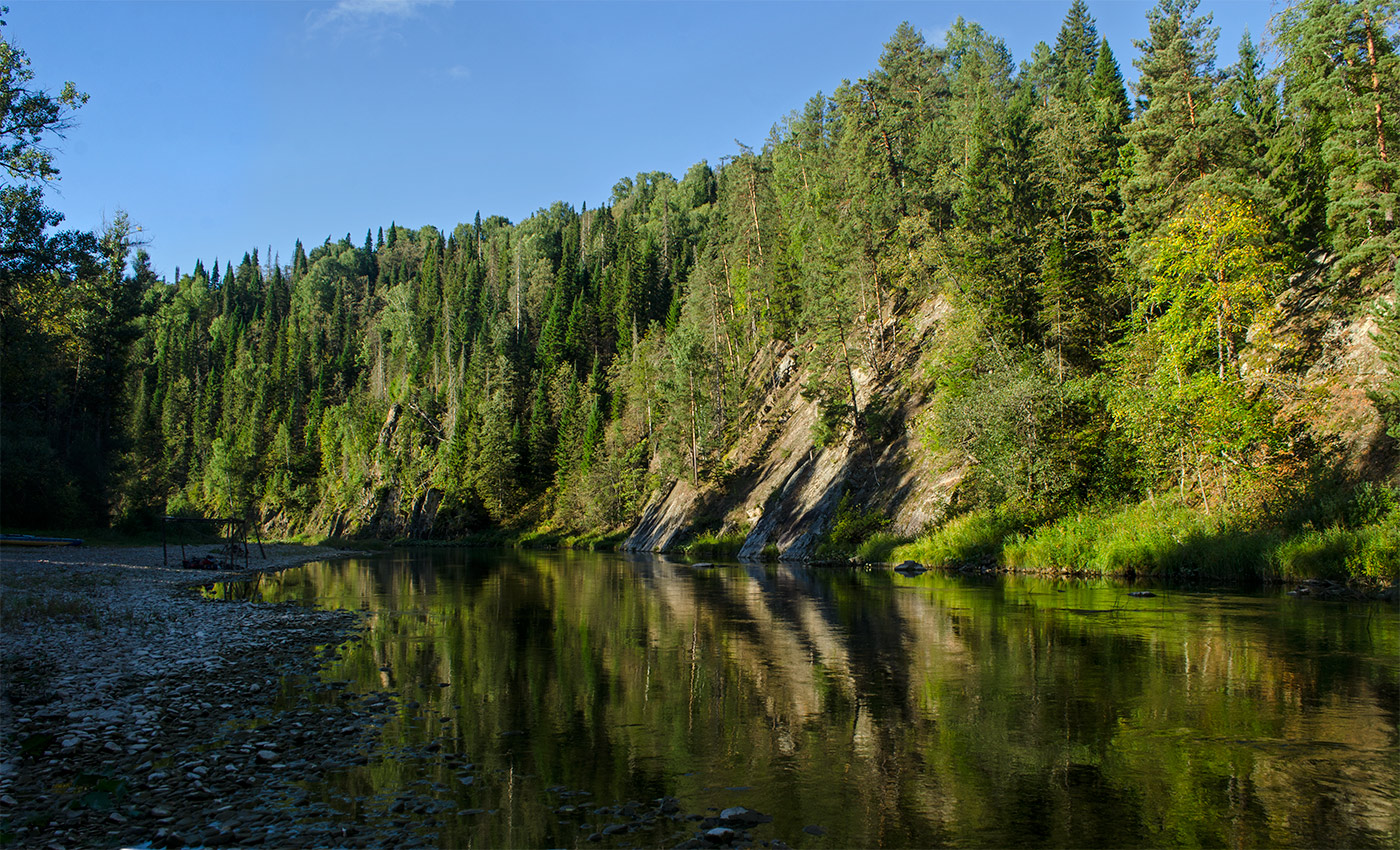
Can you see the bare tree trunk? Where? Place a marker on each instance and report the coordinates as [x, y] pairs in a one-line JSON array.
[[753, 207], [1375, 87], [850, 375], [694, 435]]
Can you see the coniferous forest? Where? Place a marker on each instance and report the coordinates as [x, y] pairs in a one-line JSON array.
[[1123, 272]]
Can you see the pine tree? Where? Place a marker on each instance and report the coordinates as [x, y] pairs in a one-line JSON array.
[[1173, 141], [1341, 96]]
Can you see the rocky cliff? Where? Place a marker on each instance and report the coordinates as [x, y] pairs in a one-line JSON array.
[[784, 489]]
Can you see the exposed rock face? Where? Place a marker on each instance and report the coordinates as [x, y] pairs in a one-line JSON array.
[[796, 518], [1319, 358], [783, 489], [664, 519]]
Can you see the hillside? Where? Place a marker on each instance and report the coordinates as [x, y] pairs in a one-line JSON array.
[[957, 293]]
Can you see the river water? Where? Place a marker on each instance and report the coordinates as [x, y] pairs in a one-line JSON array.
[[858, 708]]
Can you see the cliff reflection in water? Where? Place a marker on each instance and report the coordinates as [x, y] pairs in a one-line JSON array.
[[891, 711]]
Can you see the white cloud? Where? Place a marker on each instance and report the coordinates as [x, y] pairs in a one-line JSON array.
[[459, 72], [348, 13]]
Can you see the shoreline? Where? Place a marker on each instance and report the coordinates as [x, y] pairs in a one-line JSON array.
[[135, 712]]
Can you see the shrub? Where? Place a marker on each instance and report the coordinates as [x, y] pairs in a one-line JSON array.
[[851, 527]]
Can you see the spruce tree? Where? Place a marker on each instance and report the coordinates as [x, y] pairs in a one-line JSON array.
[[1076, 49]]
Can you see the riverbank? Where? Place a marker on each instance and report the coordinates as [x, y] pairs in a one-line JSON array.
[[135, 711]]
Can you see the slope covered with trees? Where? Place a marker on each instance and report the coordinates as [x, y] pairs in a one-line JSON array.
[[1114, 269]]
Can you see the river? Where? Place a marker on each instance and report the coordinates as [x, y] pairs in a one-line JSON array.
[[536, 694]]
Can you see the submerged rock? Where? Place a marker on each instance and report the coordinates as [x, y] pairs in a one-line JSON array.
[[739, 815]]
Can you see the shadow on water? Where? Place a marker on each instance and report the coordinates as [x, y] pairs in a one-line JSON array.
[[542, 698]]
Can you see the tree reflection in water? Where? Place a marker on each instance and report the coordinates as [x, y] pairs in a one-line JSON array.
[[891, 711]]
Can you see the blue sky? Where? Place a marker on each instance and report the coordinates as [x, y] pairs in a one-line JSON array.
[[220, 127]]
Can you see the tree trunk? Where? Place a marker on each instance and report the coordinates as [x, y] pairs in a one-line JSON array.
[[1375, 88]]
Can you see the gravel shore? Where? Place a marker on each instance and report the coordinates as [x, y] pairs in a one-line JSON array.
[[133, 711]]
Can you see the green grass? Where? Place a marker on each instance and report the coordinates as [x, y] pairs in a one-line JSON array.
[[856, 532], [1158, 538], [715, 545], [963, 539], [879, 547], [1169, 539], [1371, 552]]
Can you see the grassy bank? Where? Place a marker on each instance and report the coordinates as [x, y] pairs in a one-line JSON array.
[[1169, 539], [715, 545]]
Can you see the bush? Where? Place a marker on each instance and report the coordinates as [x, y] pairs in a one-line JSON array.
[[849, 529], [1369, 504]]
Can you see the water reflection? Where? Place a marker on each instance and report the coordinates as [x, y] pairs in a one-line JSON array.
[[890, 711]]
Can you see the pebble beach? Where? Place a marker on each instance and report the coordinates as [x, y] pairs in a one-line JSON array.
[[134, 711]]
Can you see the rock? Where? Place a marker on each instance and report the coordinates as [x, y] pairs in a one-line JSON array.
[[813, 829], [616, 828], [744, 816], [703, 565], [267, 756], [1142, 594], [719, 835], [911, 567]]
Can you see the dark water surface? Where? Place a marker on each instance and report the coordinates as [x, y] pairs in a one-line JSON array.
[[888, 711]]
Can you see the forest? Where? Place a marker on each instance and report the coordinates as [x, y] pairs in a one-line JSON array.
[[1115, 265]]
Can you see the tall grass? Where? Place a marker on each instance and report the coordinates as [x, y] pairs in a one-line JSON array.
[[716, 545], [1160, 538], [1372, 551], [879, 547], [964, 539]]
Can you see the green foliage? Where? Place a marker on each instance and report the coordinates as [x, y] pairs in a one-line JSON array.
[[1168, 537], [851, 527], [1181, 395], [1164, 537], [1371, 551], [1386, 395], [973, 537], [834, 410], [716, 545], [879, 547], [1341, 93]]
